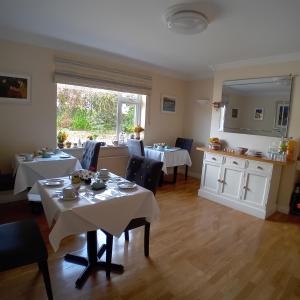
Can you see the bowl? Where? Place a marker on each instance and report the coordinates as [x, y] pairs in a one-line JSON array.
[[241, 150]]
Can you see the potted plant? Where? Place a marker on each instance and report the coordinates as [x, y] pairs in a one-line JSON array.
[[61, 138]]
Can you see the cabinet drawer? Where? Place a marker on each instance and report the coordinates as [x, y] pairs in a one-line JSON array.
[[236, 162], [213, 157], [259, 166]]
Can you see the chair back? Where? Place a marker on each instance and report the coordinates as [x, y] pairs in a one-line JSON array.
[[135, 147], [184, 143], [90, 155], [145, 172]]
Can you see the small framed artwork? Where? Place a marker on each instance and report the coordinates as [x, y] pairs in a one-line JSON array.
[[234, 113], [259, 114], [168, 104], [14, 88]]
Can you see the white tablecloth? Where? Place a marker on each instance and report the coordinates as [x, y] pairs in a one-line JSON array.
[[110, 209], [27, 173], [170, 157]]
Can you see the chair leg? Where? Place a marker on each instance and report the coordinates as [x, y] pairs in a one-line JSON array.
[[186, 172], [109, 244], [175, 174], [146, 239], [126, 235], [43, 266]]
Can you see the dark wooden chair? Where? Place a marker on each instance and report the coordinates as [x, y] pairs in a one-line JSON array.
[[90, 155], [186, 144], [146, 173], [21, 243], [135, 147]]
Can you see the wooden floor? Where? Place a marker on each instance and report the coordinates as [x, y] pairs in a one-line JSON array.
[[198, 250]]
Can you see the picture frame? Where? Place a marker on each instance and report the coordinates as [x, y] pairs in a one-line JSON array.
[[234, 113], [259, 114], [168, 104], [15, 88]]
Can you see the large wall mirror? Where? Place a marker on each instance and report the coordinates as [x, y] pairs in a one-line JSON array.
[[256, 106]]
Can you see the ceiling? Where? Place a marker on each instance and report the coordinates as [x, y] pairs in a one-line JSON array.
[[238, 30]]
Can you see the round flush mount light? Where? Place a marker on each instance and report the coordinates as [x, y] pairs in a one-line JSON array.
[[185, 19]]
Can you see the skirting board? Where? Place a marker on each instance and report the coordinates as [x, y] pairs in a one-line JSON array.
[[232, 204], [283, 209], [8, 196]]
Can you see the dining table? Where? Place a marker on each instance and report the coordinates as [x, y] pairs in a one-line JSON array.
[[172, 157], [27, 172], [110, 209]]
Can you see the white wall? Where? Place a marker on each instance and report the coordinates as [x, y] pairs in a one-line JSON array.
[[25, 128], [197, 118]]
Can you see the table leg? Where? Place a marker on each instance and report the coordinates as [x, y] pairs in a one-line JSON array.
[[91, 263]]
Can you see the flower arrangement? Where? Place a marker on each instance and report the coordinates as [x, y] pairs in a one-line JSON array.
[[86, 175], [214, 143], [138, 129], [62, 136]]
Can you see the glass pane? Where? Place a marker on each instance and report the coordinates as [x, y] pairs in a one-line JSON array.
[[128, 120], [86, 113], [285, 115]]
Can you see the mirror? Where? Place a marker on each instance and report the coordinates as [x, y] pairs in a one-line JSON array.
[[256, 106]]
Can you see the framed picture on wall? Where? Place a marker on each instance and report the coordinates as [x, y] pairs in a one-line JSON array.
[[259, 114], [234, 113], [168, 104], [14, 88]]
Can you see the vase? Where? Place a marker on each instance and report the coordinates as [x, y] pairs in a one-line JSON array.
[[137, 136], [60, 145]]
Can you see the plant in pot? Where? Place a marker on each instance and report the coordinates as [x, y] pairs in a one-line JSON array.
[[61, 138]]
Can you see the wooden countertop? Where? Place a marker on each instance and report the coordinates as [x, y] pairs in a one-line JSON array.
[[275, 162]]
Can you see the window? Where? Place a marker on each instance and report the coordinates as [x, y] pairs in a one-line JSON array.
[[282, 114], [84, 112]]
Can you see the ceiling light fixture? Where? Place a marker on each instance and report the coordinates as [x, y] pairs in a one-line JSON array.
[[185, 19]]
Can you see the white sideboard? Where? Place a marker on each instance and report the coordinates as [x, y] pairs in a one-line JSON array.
[[247, 185]]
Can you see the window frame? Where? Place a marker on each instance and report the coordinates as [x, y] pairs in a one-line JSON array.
[[138, 111]]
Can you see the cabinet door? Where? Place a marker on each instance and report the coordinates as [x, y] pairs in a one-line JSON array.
[[256, 188], [231, 183], [211, 177]]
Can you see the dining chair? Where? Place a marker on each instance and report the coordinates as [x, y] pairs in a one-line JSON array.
[[90, 155], [135, 147], [186, 144], [146, 173], [22, 244]]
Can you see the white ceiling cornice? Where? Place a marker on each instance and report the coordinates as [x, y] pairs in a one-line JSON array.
[[257, 61]]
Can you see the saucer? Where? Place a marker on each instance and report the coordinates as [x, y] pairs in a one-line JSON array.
[[127, 185], [53, 182], [62, 198]]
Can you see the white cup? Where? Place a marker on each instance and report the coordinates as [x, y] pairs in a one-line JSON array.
[[28, 156], [69, 193], [103, 172]]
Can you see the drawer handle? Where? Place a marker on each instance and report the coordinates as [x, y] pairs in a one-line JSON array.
[[235, 162], [219, 180], [213, 158], [260, 168], [245, 188]]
